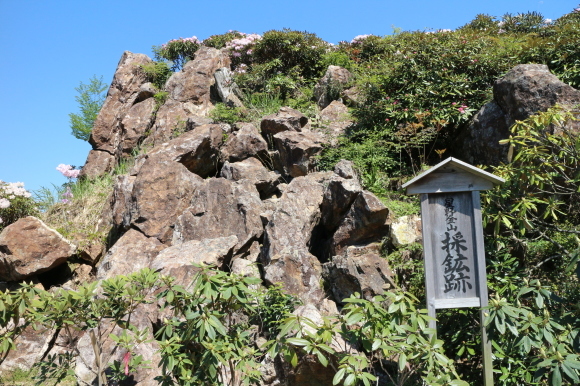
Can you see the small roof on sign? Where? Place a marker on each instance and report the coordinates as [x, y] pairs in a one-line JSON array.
[[452, 175]]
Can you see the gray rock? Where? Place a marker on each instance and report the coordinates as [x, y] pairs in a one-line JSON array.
[[523, 91], [132, 252], [330, 85], [227, 89], [335, 122], [177, 261]]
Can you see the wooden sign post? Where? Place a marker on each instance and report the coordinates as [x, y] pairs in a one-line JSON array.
[[453, 240]]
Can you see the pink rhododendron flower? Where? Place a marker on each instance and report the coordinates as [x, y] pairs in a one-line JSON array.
[[68, 171]]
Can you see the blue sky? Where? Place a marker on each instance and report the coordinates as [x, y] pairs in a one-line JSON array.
[[48, 47]]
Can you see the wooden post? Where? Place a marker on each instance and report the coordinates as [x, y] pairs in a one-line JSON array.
[[453, 244]]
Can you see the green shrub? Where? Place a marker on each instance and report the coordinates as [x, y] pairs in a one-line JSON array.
[[15, 203], [178, 51], [157, 73], [90, 99], [289, 50], [220, 41], [227, 114]]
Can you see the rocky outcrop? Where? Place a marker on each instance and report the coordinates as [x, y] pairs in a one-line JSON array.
[[330, 85], [360, 270], [522, 92], [285, 256], [161, 192], [335, 121], [297, 151], [286, 119], [122, 95], [244, 143], [29, 247], [266, 182], [367, 220], [222, 208]]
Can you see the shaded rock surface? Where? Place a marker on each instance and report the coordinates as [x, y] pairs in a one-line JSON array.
[[29, 247], [286, 119], [362, 270], [297, 151]]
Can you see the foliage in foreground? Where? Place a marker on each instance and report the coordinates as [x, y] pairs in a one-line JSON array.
[[210, 327]]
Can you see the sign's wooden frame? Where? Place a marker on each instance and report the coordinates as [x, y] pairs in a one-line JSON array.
[[454, 178]]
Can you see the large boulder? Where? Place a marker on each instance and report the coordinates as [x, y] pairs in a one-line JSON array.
[[221, 208], [329, 87], [285, 119], [522, 92], [244, 143], [29, 247], [297, 151], [194, 82], [286, 256]]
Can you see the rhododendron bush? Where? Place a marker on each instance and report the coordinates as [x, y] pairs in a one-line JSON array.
[[15, 203]]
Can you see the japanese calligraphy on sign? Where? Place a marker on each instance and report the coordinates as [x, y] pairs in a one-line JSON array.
[[452, 246], [455, 272]]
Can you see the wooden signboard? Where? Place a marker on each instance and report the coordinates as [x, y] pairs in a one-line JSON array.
[[453, 240]]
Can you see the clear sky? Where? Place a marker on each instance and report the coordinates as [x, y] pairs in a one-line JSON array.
[[48, 46]]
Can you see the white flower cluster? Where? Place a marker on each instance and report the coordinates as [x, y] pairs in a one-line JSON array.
[[359, 38], [439, 31], [9, 191], [243, 44]]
